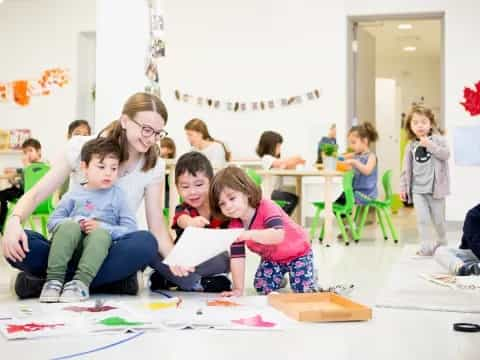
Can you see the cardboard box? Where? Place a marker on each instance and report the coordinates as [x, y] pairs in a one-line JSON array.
[[319, 307]]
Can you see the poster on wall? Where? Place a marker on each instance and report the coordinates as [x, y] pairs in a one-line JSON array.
[[466, 145]]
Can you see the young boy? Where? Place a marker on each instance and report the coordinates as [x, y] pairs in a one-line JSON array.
[[193, 172], [85, 222], [32, 153]]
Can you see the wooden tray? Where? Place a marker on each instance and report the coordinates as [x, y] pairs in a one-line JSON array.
[[319, 307]]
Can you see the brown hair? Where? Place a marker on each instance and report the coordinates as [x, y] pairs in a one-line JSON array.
[[428, 113], [365, 131], [135, 104], [77, 123], [101, 147], [170, 144], [34, 143], [268, 143], [200, 126], [236, 179]]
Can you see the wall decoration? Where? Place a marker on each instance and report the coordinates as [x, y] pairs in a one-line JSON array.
[[21, 91], [241, 106], [156, 46], [472, 99]]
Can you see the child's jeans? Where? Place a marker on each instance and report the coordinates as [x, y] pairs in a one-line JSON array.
[[269, 275], [452, 259], [430, 210]]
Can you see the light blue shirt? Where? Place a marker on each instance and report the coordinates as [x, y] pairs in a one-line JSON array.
[[108, 206]]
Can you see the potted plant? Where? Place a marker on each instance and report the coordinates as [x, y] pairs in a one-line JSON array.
[[329, 156]]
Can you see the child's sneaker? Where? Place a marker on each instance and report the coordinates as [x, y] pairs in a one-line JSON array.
[[51, 291], [469, 269], [216, 283], [74, 291]]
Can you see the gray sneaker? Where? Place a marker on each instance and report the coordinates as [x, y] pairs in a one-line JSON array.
[[74, 291], [51, 291]]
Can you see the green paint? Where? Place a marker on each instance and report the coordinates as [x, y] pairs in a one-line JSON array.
[[118, 321]]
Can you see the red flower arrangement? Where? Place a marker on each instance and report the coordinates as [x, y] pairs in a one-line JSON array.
[[472, 100]]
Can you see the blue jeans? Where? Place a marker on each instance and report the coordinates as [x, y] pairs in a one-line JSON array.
[[127, 255]]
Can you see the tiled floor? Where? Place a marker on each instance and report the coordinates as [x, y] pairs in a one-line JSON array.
[[396, 334]]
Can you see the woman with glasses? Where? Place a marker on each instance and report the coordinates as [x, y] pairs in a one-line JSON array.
[[141, 176]]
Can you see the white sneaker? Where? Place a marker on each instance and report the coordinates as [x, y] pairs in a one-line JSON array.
[[51, 291], [74, 291]]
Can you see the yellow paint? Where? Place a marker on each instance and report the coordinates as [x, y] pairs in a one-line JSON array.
[[160, 305]]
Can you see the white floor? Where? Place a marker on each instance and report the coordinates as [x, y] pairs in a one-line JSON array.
[[392, 334]]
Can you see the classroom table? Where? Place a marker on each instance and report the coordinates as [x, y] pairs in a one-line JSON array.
[[268, 184]]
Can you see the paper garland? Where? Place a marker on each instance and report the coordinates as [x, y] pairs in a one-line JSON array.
[[472, 100], [156, 46], [20, 91], [242, 106]]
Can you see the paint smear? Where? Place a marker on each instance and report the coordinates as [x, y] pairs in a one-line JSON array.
[[255, 321], [159, 305], [118, 321], [30, 327], [221, 302], [92, 309]]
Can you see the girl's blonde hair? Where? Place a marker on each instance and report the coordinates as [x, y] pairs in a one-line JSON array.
[[200, 126], [424, 111], [135, 104], [234, 178], [365, 131]]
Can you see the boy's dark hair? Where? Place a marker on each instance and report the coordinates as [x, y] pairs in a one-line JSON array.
[[77, 123], [365, 131], [236, 179], [268, 142], [193, 162], [101, 147], [34, 143]]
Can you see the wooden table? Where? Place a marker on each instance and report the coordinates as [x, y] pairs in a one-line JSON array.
[[268, 184]]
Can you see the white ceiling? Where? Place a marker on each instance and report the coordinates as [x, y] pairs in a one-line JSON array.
[[425, 35]]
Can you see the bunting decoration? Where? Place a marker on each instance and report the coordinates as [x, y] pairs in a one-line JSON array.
[[156, 46], [472, 100], [21, 91], [242, 106]]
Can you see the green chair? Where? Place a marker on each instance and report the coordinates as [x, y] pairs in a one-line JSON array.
[[257, 179], [382, 208], [339, 211]]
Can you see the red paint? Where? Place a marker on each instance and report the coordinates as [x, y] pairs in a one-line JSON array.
[[89, 308], [472, 100], [30, 327], [255, 321]]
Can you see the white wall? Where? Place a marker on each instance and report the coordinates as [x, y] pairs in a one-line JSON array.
[[254, 49], [36, 35], [366, 69]]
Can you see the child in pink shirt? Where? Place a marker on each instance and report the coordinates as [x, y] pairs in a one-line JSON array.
[[269, 232]]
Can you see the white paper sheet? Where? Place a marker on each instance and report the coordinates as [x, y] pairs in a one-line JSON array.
[[197, 245]]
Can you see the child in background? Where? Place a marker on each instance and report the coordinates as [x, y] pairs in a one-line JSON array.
[[32, 153], [425, 176], [201, 140], [269, 150], [282, 244], [85, 223], [331, 138], [168, 149], [193, 173]]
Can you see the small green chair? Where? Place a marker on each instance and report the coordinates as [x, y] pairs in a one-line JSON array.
[[257, 179], [382, 208], [339, 211]]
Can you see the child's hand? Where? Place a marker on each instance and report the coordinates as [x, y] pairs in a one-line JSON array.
[[199, 221], [403, 195], [89, 225], [234, 292], [425, 141], [244, 236]]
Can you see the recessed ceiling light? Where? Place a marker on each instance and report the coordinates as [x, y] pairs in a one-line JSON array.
[[409, 48], [405, 26]]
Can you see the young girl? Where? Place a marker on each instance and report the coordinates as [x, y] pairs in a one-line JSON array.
[[425, 176], [269, 232], [200, 139], [168, 150], [363, 162], [269, 149], [193, 173]]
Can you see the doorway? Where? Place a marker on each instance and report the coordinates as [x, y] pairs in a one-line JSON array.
[[394, 62]]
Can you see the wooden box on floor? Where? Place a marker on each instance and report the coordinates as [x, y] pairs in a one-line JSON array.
[[319, 307]]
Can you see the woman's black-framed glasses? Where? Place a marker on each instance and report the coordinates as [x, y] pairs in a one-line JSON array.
[[148, 131]]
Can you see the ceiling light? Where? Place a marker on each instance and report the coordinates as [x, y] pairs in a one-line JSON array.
[[409, 48], [404, 26]]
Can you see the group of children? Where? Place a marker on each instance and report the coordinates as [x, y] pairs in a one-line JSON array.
[[90, 218]]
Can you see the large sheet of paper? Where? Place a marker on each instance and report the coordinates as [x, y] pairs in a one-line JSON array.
[[197, 245], [467, 146]]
